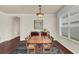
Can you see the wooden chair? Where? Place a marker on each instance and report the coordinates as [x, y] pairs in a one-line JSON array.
[[34, 33], [31, 49], [47, 48], [39, 48], [43, 33], [52, 39]]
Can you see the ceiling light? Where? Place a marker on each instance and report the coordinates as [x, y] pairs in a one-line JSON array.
[[40, 14]]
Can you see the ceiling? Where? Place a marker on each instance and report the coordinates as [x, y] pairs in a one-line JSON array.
[[29, 9]]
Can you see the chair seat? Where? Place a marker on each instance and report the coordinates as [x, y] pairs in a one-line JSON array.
[[30, 47], [47, 46]]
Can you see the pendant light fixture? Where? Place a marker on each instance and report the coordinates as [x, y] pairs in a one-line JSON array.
[[40, 14]]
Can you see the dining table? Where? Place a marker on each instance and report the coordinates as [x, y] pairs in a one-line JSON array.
[[36, 44], [39, 39]]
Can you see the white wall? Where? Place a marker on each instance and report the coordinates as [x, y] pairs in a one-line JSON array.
[[6, 27], [27, 24]]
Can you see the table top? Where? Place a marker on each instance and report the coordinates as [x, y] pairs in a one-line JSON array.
[[39, 39]]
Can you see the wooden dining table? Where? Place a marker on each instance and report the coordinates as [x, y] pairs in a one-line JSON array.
[[39, 39], [36, 44]]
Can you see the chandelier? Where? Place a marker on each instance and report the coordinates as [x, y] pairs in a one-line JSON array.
[[40, 14]]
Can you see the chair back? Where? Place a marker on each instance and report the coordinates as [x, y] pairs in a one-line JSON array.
[[34, 33], [43, 33]]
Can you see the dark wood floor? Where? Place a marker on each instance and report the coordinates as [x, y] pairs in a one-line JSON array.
[[15, 46]]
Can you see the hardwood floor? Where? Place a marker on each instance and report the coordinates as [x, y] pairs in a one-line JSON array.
[[12, 48], [10, 45]]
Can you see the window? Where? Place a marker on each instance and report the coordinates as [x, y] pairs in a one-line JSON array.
[[69, 25], [64, 31], [74, 33]]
